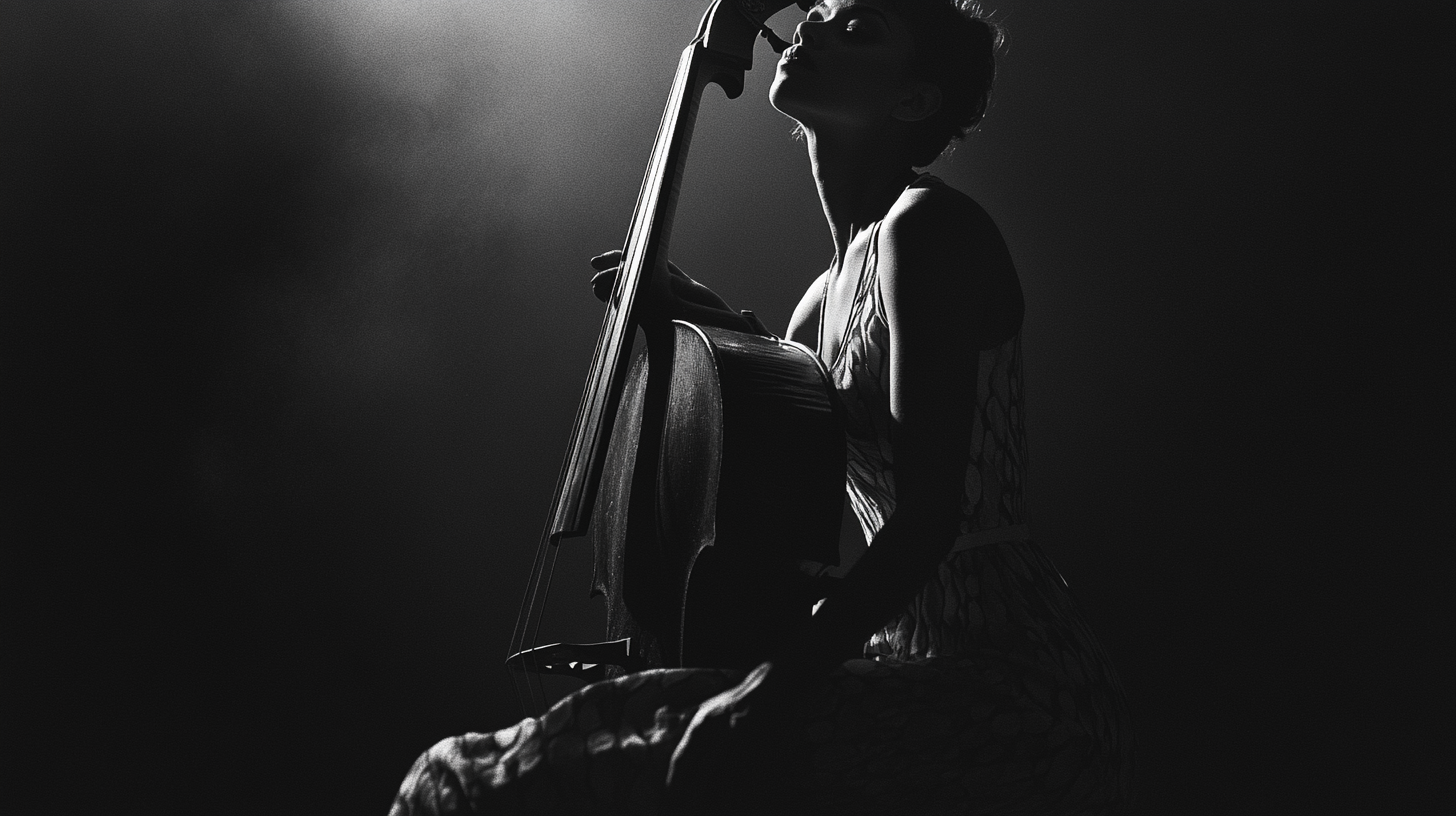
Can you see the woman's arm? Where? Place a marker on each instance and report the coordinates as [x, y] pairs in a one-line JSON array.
[[680, 298], [949, 290]]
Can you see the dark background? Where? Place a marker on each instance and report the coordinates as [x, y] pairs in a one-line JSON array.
[[295, 318]]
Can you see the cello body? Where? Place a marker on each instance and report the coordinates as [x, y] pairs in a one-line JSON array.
[[725, 470]]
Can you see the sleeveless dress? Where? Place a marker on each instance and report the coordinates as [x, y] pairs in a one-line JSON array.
[[987, 694]]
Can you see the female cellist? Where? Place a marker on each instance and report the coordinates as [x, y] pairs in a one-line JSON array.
[[950, 671]]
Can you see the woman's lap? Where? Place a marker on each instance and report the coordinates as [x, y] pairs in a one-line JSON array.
[[602, 749], [972, 733]]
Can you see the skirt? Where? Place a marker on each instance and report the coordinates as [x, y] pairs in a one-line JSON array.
[[1026, 716]]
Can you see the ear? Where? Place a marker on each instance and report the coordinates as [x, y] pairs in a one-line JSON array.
[[918, 101]]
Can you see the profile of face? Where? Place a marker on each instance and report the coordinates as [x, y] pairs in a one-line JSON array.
[[849, 67]]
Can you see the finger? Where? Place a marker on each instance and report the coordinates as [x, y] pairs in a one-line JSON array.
[[607, 260], [601, 284], [689, 291]]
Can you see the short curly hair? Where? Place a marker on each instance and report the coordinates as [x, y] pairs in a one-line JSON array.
[[955, 48]]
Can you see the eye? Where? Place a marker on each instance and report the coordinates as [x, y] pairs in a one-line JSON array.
[[860, 27]]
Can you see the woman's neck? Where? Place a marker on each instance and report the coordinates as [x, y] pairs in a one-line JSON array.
[[858, 181]]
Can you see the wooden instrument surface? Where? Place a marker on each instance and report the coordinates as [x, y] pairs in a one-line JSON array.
[[747, 480]]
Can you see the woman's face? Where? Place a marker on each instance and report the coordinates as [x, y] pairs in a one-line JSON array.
[[848, 65]]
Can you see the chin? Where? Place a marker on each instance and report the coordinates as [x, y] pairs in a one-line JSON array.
[[784, 100]]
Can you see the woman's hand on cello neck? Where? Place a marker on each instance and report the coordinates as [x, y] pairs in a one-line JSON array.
[[682, 298]]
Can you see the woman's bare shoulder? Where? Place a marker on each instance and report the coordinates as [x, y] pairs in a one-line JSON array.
[[941, 252], [938, 217]]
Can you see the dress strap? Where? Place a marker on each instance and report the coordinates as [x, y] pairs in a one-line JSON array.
[[867, 270]]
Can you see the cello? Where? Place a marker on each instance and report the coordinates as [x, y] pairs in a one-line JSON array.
[[709, 468]]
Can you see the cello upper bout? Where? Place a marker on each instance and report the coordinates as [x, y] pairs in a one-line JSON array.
[[751, 480], [758, 417], [748, 448]]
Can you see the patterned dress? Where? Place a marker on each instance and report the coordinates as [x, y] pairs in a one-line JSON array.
[[987, 694]]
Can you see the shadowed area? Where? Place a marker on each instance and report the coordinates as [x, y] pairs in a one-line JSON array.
[[294, 314]]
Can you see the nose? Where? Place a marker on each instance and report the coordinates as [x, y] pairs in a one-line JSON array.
[[805, 32]]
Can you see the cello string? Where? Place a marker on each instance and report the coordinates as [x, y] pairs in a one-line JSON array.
[[532, 611], [635, 265], [637, 274], [535, 635], [611, 345], [531, 698], [530, 601], [518, 640]]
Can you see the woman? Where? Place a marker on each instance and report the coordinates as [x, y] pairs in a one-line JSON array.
[[949, 672]]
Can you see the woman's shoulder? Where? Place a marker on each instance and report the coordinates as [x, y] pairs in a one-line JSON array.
[[931, 210], [941, 249]]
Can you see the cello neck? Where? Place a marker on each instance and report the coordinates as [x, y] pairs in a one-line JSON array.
[[719, 54]]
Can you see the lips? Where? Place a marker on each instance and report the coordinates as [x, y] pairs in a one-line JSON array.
[[792, 55]]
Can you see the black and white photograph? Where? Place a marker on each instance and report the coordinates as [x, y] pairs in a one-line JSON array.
[[425, 407]]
